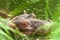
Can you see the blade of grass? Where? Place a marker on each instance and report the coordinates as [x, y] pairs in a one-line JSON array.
[[2, 33], [47, 7], [18, 9]]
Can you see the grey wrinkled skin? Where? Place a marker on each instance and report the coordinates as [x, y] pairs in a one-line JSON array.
[[28, 23]]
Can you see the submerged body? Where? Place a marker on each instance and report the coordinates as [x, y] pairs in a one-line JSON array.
[[28, 23]]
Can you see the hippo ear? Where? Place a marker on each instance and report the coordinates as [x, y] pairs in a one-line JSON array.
[[33, 15]]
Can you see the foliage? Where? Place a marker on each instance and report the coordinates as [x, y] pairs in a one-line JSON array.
[[44, 9]]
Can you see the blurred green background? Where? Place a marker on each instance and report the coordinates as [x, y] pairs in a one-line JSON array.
[[44, 9]]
